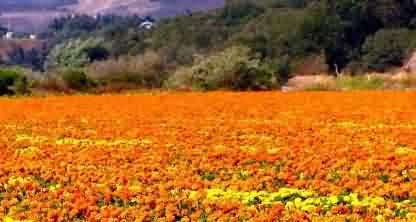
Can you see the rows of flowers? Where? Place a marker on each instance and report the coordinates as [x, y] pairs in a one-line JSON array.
[[209, 157]]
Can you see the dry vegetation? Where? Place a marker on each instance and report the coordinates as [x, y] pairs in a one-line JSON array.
[[7, 46], [368, 81]]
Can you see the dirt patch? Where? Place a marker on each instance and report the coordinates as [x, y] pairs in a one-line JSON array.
[[312, 65], [302, 82], [410, 65]]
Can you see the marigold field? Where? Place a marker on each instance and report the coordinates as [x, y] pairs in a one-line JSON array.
[[209, 157]]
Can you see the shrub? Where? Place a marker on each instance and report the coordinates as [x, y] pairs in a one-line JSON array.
[[234, 68], [12, 81], [76, 53], [239, 12], [284, 70], [320, 87], [75, 79], [367, 82], [253, 78], [145, 71], [21, 86], [51, 82], [7, 79], [386, 48]]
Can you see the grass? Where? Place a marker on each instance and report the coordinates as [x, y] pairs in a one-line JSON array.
[[360, 83], [320, 87], [350, 83]]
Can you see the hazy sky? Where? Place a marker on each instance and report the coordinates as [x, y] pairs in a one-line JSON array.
[[29, 15], [33, 3]]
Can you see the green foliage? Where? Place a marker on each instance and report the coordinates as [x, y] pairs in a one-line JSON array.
[[393, 13], [122, 39], [275, 35], [12, 81], [21, 86], [202, 32], [246, 45], [338, 28], [209, 176], [81, 26], [7, 79], [387, 48], [76, 53], [360, 20], [145, 71], [384, 178], [351, 83], [233, 68], [75, 79], [237, 12], [359, 83], [289, 3], [320, 87]]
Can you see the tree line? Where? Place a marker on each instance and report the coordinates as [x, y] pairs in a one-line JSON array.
[[268, 41]]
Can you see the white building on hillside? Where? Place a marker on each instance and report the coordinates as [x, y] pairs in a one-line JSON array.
[[147, 25], [9, 35]]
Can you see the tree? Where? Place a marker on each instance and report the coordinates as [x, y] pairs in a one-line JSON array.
[[387, 48], [393, 13], [35, 58], [77, 53], [3, 31], [237, 12], [75, 78], [289, 3], [233, 68], [16, 56], [12, 78], [339, 28]]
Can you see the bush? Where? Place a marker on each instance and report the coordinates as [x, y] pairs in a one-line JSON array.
[[146, 71], [51, 82], [234, 68], [320, 87], [76, 79], [7, 79], [253, 78], [76, 53], [239, 12], [21, 86], [12, 81], [387, 48]]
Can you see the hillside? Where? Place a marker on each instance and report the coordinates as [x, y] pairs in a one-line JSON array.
[[26, 44], [29, 21], [22, 5], [31, 15], [25, 52], [245, 45], [143, 7]]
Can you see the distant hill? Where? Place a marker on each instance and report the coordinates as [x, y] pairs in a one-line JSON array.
[[18, 5], [33, 15], [144, 7], [23, 52]]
